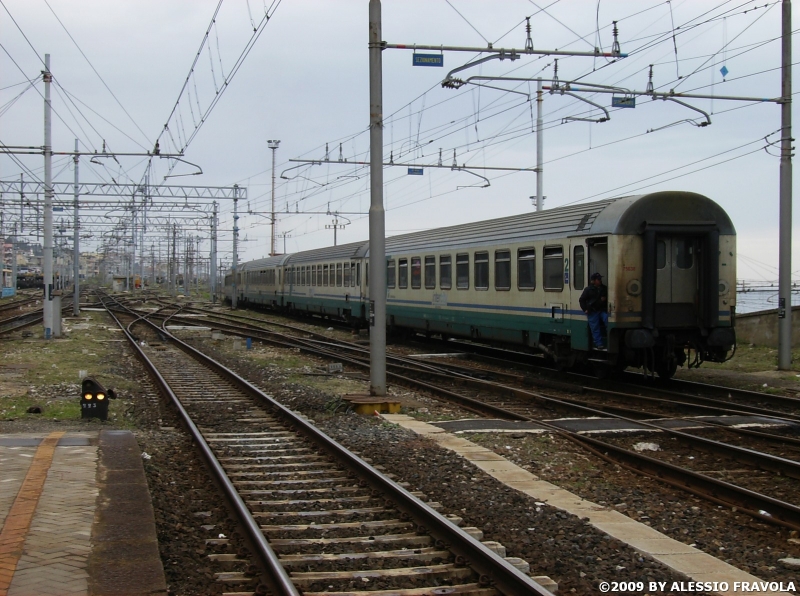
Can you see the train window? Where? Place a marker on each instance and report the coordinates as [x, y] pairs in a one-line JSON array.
[[347, 275], [526, 269], [661, 254], [303, 275], [338, 275], [313, 275], [358, 275], [403, 267], [502, 270], [416, 273], [324, 275], [430, 273], [684, 252], [445, 272], [391, 273], [481, 270], [578, 267], [462, 272], [553, 268]]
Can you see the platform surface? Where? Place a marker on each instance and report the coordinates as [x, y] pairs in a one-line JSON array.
[[62, 511]]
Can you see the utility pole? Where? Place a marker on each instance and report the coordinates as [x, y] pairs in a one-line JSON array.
[[14, 259], [76, 250], [132, 268], [335, 226], [172, 267], [235, 263], [377, 214], [285, 235], [187, 241], [273, 144], [143, 230], [785, 242], [539, 148], [212, 257], [47, 248]]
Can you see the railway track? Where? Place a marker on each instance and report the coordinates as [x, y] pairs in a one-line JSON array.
[[321, 520], [515, 403], [17, 303], [27, 319]]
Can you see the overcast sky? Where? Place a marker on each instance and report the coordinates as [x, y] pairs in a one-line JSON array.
[[305, 82]]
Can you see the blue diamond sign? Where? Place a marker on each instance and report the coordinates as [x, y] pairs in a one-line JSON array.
[[724, 71]]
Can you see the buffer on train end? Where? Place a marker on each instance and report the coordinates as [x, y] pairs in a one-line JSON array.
[[94, 399]]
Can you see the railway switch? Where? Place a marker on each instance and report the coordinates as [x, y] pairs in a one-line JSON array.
[[94, 399]]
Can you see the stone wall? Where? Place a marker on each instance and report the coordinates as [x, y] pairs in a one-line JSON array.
[[761, 328]]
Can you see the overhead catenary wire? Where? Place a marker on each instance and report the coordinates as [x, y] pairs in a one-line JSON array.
[[99, 76]]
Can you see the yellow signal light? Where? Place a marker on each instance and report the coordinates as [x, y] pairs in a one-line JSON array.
[[101, 396], [87, 396]]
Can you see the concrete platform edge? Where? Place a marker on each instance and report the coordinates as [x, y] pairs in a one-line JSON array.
[[125, 558]]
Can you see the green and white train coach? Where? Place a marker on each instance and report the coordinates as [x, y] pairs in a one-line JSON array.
[[668, 258]]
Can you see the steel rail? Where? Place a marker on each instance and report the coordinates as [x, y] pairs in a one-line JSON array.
[[486, 562], [761, 460], [276, 576], [750, 502]]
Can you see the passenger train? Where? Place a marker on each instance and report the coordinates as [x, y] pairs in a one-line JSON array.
[[668, 259]]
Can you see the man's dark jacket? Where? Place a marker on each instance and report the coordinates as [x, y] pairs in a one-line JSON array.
[[591, 299]]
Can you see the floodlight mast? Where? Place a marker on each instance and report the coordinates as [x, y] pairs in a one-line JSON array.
[[273, 145]]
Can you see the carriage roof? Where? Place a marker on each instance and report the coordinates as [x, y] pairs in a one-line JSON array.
[[622, 215]]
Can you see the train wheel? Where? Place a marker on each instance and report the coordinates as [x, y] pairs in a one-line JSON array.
[[666, 367], [601, 371]]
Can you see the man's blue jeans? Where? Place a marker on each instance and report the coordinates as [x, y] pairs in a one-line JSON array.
[[598, 323]]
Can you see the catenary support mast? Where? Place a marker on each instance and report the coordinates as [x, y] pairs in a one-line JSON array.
[[47, 248], [785, 254], [76, 242], [377, 221]]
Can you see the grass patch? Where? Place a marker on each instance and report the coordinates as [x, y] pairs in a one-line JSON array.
[[35, 372], [755, 359]]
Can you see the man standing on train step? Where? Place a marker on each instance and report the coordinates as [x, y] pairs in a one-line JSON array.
[[594, 302]]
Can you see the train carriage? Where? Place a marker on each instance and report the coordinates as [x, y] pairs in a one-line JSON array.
[[668, 260]]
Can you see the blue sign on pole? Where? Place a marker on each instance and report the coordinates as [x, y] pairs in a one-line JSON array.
[[428, 60], [623, 102], [415, 171]]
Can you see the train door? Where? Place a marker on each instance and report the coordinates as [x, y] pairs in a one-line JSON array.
[[676, 281], [598, 257]]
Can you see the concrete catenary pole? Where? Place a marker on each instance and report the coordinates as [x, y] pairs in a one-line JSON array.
[[273, 145], [173, 268], [785, 254], [212, 268], [235, 262], [187, 241], [539, 148], [76, 240], [47, 248], [14, 260], [377, 215]]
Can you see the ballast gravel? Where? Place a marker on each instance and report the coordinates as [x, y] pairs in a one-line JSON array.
[[555, 543]]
